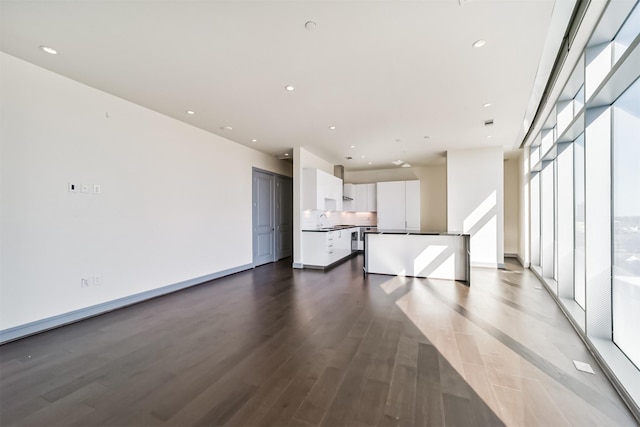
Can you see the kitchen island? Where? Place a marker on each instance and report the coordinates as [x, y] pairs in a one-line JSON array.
[[418, 254]]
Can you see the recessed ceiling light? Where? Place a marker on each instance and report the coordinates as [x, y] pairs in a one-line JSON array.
[[310, 25], [353, 146], [332, 127], [290, 88], [488, 136], [254, 140], [49, 50], [369, 162], [397, 162], [479, 43], [226, 128], [191, 112], [406, 165], [286, 154], [362, 156], [488, 104]]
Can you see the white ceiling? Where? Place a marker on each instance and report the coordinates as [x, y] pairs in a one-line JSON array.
[[384, 73]]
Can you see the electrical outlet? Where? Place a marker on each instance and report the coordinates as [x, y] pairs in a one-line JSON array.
[[84, 282], [96, 189], [97, 280], [73, 187], [84, 188]]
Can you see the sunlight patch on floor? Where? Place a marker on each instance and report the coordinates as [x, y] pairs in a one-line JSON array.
[[500, 376]]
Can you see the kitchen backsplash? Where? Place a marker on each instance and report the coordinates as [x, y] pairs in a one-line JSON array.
[[312, 219]]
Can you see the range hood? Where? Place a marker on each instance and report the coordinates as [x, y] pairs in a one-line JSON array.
[[338, 171]]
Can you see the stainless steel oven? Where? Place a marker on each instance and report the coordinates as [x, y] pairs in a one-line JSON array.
[[361, 236]]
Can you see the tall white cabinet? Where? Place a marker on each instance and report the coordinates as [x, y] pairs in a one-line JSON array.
[[398, 205]]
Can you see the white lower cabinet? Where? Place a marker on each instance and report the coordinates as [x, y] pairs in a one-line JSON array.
[[323, 248]]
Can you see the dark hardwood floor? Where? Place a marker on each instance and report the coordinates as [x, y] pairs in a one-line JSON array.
[[275, 346]]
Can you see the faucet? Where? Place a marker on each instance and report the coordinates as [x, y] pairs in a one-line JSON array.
[[320, 219]]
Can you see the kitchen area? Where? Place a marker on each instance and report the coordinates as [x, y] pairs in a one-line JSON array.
[[335, 217], [380, 219]]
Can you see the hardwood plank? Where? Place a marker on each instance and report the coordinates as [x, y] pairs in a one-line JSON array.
[[457, 411], [511, 405], [292, 397], [276, 346], [384, 356], [428, 408], [468, 349], [317, 402], [348, 393], [399, 407]]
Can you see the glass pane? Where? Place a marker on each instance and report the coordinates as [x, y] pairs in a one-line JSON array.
[[548, 136], [535, 218], [547, 221], [579, 99], [555, 219], [579, 230], [626, 222], [627, 33]]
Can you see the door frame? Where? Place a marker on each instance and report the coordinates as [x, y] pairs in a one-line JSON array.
[[273, 213]]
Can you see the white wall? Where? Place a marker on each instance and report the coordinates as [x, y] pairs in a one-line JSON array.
[[175, 202], [433, 190], [433, 184], [302, 158], [511, 206], [475, 202]]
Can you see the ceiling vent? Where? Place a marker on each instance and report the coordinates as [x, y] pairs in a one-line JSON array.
[[488, 122]]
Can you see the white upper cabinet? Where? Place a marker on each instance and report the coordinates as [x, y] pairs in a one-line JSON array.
[[361, 197], [321, 191], [349, 190], [372, 204], [398, 205]]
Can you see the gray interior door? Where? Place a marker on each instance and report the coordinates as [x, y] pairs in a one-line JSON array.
[[264, 247], [284, 217]]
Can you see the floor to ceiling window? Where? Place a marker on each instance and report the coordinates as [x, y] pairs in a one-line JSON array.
[[626, 222], [584, 189], [579, 224]]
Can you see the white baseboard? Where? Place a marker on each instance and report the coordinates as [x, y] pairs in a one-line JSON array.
[[21, 331], [519, 258], [522, 262], [487, 264]]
